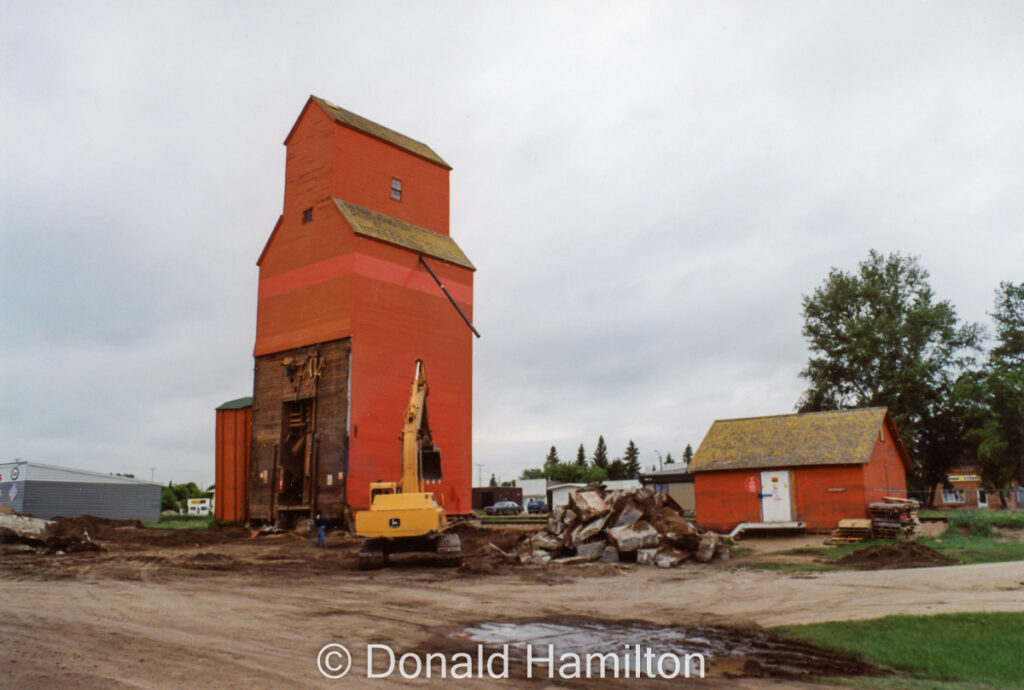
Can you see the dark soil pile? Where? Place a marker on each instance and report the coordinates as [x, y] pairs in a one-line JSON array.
[[906, 554]]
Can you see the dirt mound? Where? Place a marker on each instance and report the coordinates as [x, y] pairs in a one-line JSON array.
[[907, 554], [484, 548]]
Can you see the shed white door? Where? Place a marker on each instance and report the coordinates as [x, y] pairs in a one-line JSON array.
[[775, 501]]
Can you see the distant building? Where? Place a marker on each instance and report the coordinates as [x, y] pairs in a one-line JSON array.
[[677, 482], [48, 492], [484, 496], [814, 468], [963, 489]]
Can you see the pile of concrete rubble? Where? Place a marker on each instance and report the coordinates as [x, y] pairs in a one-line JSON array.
[[635, 525]]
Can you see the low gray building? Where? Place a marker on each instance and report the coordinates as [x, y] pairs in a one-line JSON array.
[[48, 492]]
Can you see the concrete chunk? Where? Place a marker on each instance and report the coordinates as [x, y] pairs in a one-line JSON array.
[[639, 535], [592, 551], [609, 554], [568, 517], [588, 504], [555, 525], [646, 556], [706, 549], [667, 557], [545, 541], [629, 514], [586, 532]]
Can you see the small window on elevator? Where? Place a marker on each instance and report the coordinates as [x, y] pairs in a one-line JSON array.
[[396, 189]]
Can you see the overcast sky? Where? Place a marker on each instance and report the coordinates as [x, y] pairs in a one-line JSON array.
[[646, 189]]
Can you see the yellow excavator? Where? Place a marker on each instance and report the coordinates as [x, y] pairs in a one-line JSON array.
[[404, 516]]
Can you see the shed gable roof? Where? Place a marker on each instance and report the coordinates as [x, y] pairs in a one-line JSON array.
[[839, 437], [406, 235], [361, 124]]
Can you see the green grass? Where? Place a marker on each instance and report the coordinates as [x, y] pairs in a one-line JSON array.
[[974, 648], [182, 522], [974, 549], [979, 523]]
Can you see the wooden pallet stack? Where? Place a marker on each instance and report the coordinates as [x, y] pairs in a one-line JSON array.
[[893, 518], [850, 531]]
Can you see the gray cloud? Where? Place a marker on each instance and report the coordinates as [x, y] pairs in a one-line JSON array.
[[647, 190]]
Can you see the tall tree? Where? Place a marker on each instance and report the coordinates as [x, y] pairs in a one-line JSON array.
[[601, 454], [1000, 431], [581, 456], [494, 481], [687, 454], [631, 459], [669, 460], [552, 458], [878, 338]]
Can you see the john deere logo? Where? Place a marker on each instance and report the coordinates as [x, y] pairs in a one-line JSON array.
[[394, 523]]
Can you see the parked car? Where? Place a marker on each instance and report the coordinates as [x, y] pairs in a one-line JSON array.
[[504, 508], [536, 506]]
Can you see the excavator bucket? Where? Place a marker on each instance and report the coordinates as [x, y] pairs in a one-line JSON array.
[[430, 461]]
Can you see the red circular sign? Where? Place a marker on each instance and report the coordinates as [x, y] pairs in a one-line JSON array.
[[752, 484]]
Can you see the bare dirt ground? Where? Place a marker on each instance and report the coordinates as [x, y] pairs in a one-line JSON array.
[[164, 608]]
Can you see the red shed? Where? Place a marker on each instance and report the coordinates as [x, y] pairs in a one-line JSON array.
[[346, 305], [233, 434], [816, 468]]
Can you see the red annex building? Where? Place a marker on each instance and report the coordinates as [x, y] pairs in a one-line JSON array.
[[346, 305], [814, 468]]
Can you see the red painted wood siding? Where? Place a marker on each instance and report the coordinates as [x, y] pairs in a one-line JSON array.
[[233, 435], [321, 282], [822, 495]]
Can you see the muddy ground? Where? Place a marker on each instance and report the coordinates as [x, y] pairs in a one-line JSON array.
[[168, 608]]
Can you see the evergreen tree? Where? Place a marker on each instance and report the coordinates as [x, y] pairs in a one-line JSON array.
[[601, 454], [581, 456], [669, 460], [552, 458], [631, 459], [494, 481], [687, 455]]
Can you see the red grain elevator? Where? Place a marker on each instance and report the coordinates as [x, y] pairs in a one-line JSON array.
[[346, 305]]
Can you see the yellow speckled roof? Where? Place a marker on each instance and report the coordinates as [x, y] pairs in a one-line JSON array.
[[354, 121], [813, 438], [393, 231]]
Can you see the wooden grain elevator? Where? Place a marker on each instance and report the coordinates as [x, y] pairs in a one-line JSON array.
[[349, 297]]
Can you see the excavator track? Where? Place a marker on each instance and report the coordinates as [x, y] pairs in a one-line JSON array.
[[372, 555], [449, 550]]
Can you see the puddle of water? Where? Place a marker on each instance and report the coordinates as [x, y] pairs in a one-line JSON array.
[[756, 652]]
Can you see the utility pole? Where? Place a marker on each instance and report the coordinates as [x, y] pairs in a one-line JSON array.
[[659, 458], [479, 474], [152, 473]]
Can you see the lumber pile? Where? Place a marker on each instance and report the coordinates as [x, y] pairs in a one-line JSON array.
[[636, 525], [850, 531], [893, 518]]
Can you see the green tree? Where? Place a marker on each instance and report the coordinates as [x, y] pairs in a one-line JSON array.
[[552, 458], [533, 473], [494, 481], [998, 396], [601, 454], [617, 469], [581, 456], [878, 338], [631, 458], [669, 460], [687, 455]]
